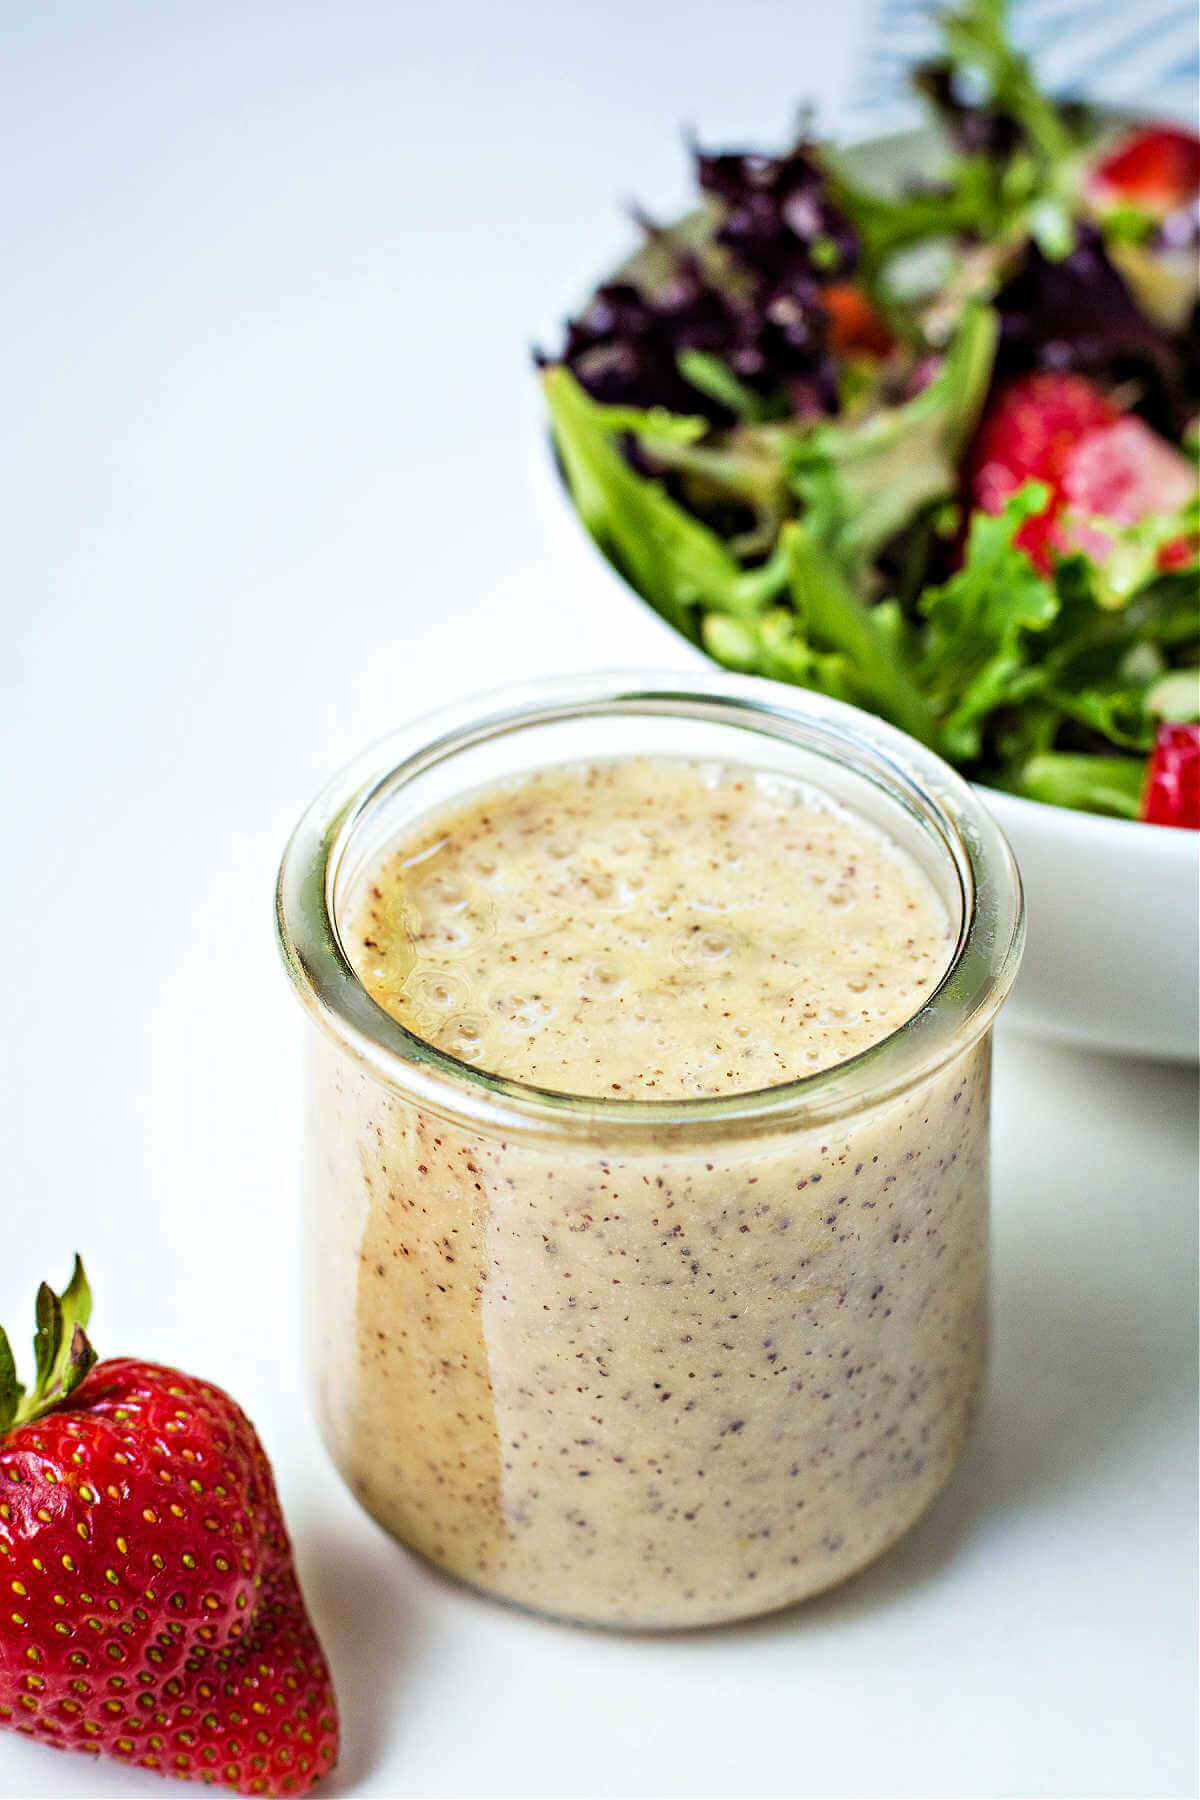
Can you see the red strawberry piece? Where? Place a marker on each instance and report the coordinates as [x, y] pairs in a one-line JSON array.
[[854, 321], [1028, 434], [1179, 552], [150, 1608], [1099, 465], [1124, 472], [1158, 169], [1172, 792]]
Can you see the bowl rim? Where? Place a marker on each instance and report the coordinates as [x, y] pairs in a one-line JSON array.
[[1165, 842]]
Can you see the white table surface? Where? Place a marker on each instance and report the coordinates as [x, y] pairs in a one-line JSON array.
[[269, 488]]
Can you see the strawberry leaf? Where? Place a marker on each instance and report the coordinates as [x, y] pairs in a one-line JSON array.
[[77, 1297], [11, 1390], [75, 1355], [47, 1337], [61, 1351], [79, 1359]]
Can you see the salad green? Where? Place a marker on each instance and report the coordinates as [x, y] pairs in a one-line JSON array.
[[770, 423]]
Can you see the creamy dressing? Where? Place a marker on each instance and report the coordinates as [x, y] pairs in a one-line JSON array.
[[681, 1383], [650, 929]]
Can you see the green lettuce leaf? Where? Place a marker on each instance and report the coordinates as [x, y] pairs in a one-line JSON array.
[[977, 43], [858, 484], [673, 560], [1103, 784], [977, 652], [1047, 685], [831, 614], [1029, 191]]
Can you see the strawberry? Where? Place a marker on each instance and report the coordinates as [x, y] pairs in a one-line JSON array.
[[1124, 472], [1172, 792], [151, 1610], [1027, 434], [1157, 169], [1099, 465], [1179, 552], [854, 321]]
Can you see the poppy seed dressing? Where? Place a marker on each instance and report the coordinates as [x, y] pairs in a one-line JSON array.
[[652, 930], [663, 1387]]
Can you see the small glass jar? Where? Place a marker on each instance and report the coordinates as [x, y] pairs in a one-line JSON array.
[[648, 1363]]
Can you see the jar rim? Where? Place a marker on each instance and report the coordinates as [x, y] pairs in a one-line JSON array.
[[955, 1015]]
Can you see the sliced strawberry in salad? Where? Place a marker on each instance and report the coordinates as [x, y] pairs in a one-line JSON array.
[[1099, 464], [1124, 471], [1029, 433], [1179, 553], [855, 323], [1157, 168], [1172, 792]]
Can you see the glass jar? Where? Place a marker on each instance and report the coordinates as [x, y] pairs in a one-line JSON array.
[[648, 1363]]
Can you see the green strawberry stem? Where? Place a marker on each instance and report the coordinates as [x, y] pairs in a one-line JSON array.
[[62, 1354]]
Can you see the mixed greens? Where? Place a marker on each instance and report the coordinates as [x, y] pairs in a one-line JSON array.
[[930, 451]]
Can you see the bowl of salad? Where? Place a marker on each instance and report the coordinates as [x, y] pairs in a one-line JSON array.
[[915, 425]]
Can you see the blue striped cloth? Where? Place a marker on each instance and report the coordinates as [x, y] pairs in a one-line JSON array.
[[1139, 55]]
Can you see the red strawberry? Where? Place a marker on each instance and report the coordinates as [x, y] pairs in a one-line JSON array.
[[854, 322], [1123, 472], [1158, 169], [1180, 552], [151, 1609], [1099, 464], [1028, 434], [1172, 792]]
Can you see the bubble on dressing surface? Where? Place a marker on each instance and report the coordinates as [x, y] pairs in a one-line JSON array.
[[701, 946], [601, 980], [436, 990], [523, 1012], [651, 927], [464, 1037]]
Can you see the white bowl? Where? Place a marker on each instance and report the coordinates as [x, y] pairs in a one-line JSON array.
[[1112, 959]]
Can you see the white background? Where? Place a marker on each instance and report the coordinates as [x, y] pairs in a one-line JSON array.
[[270, 486]]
